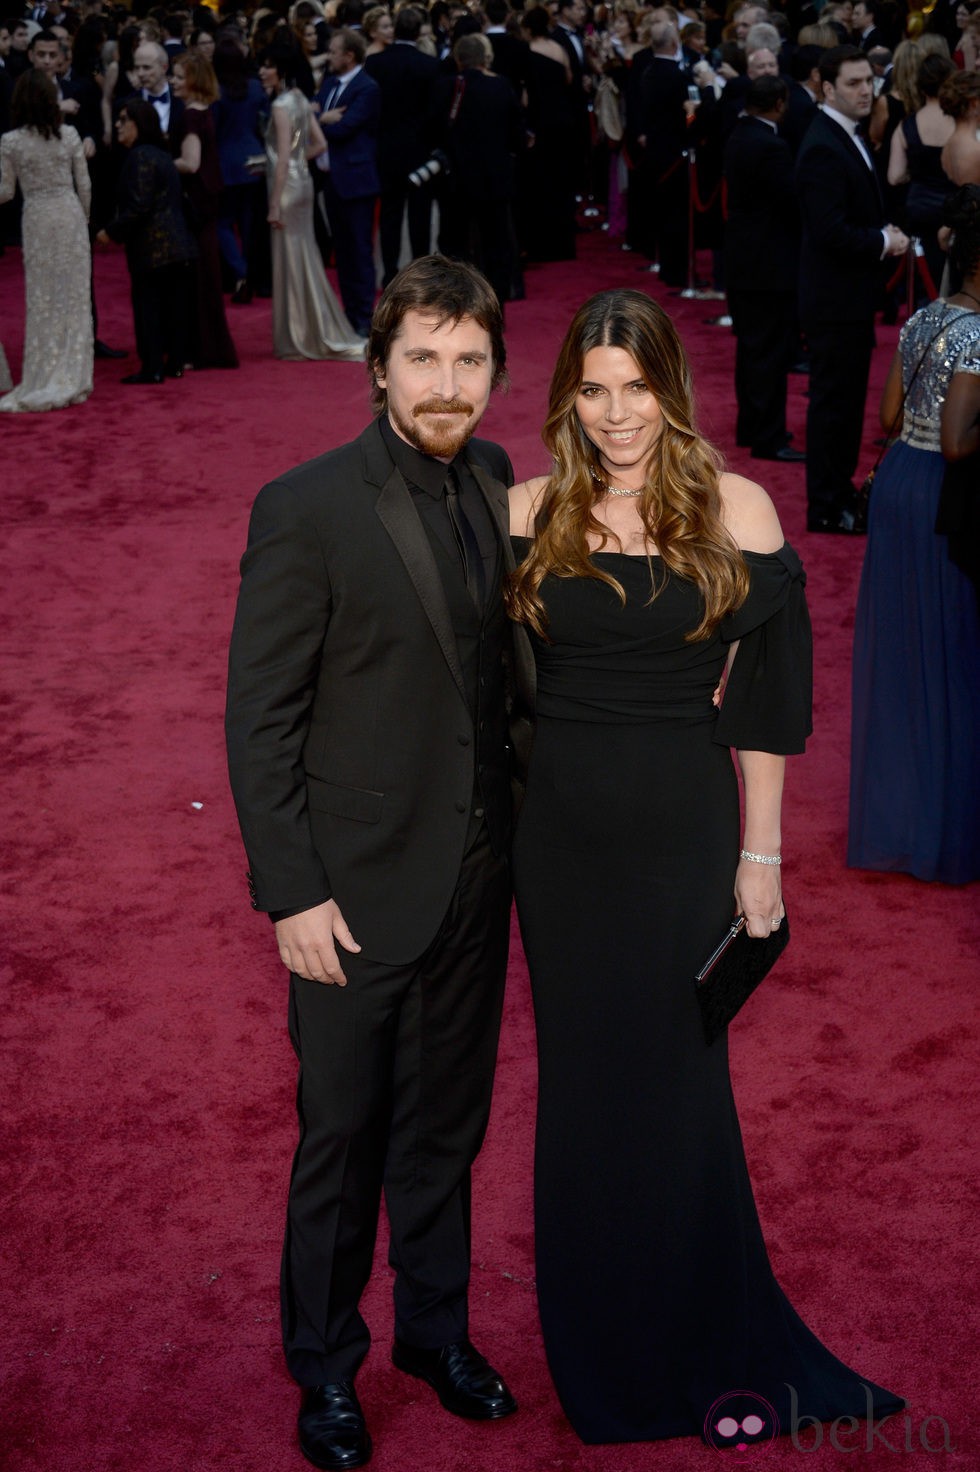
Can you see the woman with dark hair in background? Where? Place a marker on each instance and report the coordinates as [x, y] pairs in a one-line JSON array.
[[960, 99], [44, 156], [196, 149], [915, 735], [150, 221], [307, 319], [643, 574], [546, 168], [916, 150], [238, 115]]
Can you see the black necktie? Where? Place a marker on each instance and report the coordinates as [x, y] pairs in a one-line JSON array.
[[469, 547]]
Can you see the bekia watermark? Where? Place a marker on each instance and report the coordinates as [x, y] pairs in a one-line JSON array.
[[744, 1421]]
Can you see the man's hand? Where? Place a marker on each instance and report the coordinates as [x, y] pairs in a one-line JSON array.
[[333, 116], [898, 241], [306, 943]]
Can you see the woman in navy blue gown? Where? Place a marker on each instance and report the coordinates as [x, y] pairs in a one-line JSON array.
[[915, 736], [643, 573]]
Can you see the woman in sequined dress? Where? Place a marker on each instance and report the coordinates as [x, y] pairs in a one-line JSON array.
[[44, 155], [915, 779]]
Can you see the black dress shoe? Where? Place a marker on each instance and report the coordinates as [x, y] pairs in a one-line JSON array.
[[242, 294], [462, 1379], [332, 1430], [142, 378], [846, 523], [785, 453], [102, 350]]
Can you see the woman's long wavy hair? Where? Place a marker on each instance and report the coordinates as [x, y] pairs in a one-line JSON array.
[[680, 504]]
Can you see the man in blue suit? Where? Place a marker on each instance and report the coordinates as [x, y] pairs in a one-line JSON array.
[[350, 109]]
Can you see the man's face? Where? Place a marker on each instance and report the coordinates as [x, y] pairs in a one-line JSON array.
[[860, 17], [761, 63], [339, 59], [46, 56], [744, 21], [852, 94], [19, 38], [438, 378], [4, 42], [150, 65]]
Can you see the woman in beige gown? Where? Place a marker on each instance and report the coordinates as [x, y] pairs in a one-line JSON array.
[[307, 319], [44, 155]]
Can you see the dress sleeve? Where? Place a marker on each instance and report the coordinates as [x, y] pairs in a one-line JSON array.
[[767, 704], [8, 168], [79, 165]]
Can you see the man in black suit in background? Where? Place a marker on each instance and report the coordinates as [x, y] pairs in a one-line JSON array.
[[762, 248], [369, 761], [804, 93], [845, 241], [510, 52], [407, 78]]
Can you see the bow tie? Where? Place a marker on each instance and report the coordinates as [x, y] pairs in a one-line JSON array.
[[159, 97]]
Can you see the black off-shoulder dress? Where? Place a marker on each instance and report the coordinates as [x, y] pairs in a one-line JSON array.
[[656, 1295]]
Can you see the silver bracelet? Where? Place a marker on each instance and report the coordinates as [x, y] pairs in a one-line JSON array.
[[761, 858]]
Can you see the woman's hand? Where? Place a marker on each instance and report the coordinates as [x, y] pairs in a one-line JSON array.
[[759, 896], [274, 217], [102, 238]]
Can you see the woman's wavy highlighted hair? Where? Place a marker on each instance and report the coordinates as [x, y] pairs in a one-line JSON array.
[[680, 504]]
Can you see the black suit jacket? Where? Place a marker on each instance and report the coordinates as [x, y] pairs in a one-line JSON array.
[[510, 56], [801, 109], [842, 212], [350, 739], [407, 78], [762, 232]]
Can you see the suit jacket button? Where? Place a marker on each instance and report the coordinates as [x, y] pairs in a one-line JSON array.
[[461, 807], [463, 740]]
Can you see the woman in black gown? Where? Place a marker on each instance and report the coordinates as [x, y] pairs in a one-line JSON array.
[[642, 575]]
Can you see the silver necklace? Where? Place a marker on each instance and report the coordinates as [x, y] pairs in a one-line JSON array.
[[611, 490]]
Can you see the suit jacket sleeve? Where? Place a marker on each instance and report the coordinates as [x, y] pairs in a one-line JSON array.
[[823, 191], [280, 624], [362, 110]]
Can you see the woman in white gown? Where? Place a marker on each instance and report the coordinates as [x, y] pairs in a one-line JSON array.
[[44, 155], [307, 319]]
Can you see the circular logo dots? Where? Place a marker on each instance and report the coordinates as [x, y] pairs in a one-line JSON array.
[[741, 1421]]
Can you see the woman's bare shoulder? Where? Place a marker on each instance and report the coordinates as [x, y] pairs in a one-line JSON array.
[[749, 514], [525, 498]]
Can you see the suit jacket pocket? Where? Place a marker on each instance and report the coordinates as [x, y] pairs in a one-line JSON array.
[[358, 803]]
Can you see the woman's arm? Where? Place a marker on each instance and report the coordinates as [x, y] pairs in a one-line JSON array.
[[524, 499], [8, 171], [109, 78], [898, 159], [960, 423], [891, 396], [79, 167], [758, 889], [280, 121], [316, 142], [188, 160]]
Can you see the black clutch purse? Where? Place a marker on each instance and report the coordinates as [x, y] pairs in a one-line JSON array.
[[733, 971]]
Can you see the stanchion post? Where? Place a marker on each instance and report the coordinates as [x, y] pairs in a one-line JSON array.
[[690, 290], [915, 248]]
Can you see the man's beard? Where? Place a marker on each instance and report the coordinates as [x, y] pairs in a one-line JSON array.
[[446, 437]]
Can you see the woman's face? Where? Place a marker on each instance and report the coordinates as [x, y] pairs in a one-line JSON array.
[[205, 44], [178, 82], [384, 31], [619, 412], [125, 130], [621, 28], [309, 38], [269, 77]]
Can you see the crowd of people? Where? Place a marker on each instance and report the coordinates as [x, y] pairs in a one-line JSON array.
[[497, 134]]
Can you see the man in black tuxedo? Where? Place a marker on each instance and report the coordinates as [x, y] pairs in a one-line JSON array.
[[762, 247], [510, 52], [407, 78], [369, 761], [864, 25], [804, 92], [663, 136], [845, 241]]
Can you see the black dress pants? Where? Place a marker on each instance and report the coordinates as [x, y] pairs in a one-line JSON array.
[[394, 200], [160, 312], [396, 1072], [765, 328], [840, 361]]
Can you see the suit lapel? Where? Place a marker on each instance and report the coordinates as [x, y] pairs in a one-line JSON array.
[[400, 520], [495, 495]]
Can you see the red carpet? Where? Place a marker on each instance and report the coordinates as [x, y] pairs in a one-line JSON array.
[[148, 1080]]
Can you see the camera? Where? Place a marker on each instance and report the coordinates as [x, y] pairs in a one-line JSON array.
[[437, 164]]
